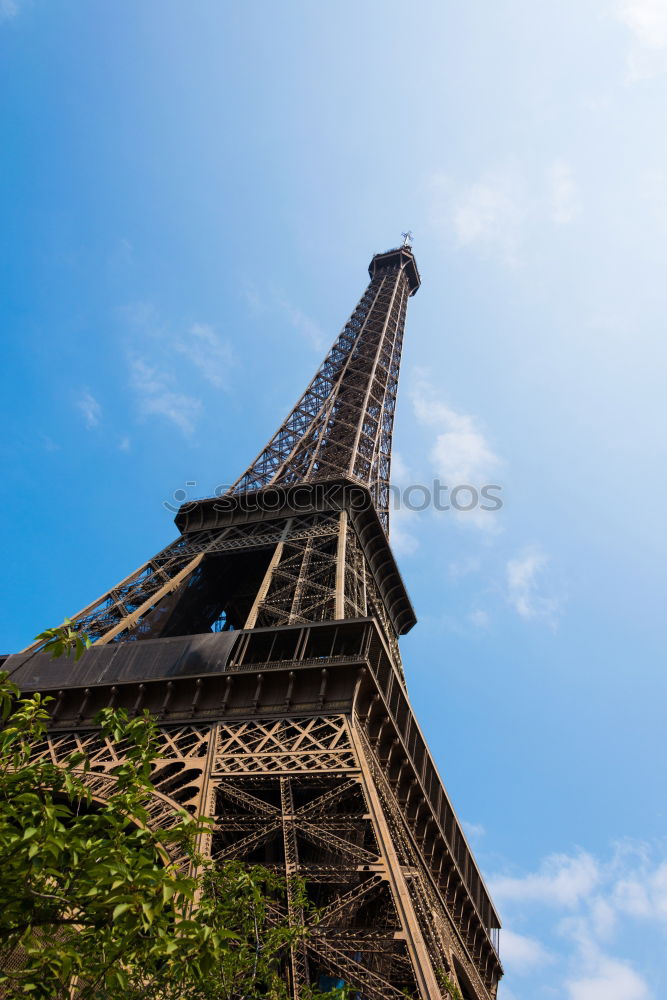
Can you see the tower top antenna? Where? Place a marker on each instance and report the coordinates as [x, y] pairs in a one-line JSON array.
[[407, 238]]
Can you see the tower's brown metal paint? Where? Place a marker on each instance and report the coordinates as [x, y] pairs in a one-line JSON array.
[[265, 640]]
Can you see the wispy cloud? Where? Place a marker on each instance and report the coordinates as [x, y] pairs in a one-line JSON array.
[[157, 396], [487, 214], [400, 470], [49, 444], [273, 301], [305, 326], [404, 539], [8, 9], [210, 354], [143, 316], [200, 344], [473, 831], [524, 583], [563, 192], [647, 23], [584, 904], [253, 299], [562, 880], [464, 567], [479, 619], [522, 954], [499, 212], [121, 256], [171, 388], [460, 453], [608, 980], [89, 408], [643, 892], [403, 522]]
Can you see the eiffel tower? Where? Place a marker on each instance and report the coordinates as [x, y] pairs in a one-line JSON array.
[[265, 640]]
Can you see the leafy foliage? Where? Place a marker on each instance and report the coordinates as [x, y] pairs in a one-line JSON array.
[[63, 640], [95, 904], [449, 987]]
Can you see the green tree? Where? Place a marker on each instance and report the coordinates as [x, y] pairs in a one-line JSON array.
[[95, 904], [63, 640]]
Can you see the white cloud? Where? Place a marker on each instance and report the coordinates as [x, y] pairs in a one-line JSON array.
[[643, 893], [563, 192], [461, 453], [612, 980], [306, 326], [488, 214], [482, 213], [157, 397], [562, 881], [473, 831], [595, 904], [521, 954], [49, 444], [89, 408], [208, 356], [464, 567], [647, 23], [647, 20], [480, 619], [124, 444], [501, 211], [143, 316], [632, 898], [8, 9], [208, 352], [121, 257], [266, 301], [403, 540], [523, 586], [201, 345], [460, 456], [253, 299], [402, 521], [400, 472], [603, 917]]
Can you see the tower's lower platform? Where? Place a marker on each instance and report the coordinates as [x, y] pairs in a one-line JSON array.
[[301, 742]]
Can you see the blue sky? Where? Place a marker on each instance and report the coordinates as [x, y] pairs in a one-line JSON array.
[[190, 196]]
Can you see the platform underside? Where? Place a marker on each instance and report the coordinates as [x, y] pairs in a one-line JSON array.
[[302, 744]]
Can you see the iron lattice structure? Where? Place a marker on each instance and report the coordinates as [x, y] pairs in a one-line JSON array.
[[342, 425], [265, 639]]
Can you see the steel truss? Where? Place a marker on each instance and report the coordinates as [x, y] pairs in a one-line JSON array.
[[314, 569], [294, 730], [307, 797], [343, 423]]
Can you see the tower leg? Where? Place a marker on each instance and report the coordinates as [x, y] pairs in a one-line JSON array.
[[424, 972]]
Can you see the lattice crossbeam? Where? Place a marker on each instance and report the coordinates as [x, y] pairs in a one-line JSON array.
[[342, 425]]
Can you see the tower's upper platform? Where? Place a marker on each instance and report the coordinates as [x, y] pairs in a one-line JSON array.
[[401, 257]]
